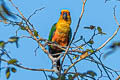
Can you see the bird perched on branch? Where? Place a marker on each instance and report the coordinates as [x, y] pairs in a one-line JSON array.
[[60, 34]]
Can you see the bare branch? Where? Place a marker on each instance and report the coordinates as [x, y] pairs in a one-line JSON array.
[[36, 50], [45, 75], [115, 16], [49, 70], [17, 9], [35, 12]]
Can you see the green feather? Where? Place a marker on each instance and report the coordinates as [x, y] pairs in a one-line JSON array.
[[70, 35], [53, 29]]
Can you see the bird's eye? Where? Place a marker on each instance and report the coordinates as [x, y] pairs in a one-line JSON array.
[[68, 13], [61, 13]]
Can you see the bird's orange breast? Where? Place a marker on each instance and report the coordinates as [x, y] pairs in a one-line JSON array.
[[60, 38]]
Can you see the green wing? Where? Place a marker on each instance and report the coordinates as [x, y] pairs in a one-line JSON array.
[[70, 35], [53, 29]]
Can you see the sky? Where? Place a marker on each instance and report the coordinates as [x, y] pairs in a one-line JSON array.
[[97, 13]]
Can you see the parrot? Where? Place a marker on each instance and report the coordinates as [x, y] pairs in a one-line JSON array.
[[60, 34]]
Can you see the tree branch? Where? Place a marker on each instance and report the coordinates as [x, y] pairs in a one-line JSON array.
[[49, 70]]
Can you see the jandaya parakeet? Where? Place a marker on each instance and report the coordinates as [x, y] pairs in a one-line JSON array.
[[60, 33]]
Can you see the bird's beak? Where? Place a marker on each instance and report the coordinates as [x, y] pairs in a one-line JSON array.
[[65, 16]]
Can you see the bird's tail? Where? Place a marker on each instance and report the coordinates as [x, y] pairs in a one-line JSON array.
[[55, 56], [58, 63]]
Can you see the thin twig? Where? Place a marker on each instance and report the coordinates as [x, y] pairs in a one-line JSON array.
[[49, 70], [27, 21], [95, 61], [36, 50], [73, 66], [115, 16], [103, 67], [17, 9], [35, 12], [45, 75], [100, 62]]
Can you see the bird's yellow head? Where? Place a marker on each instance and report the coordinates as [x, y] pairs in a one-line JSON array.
[[65, 15]]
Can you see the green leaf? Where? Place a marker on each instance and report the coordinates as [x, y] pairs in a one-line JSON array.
[[92, 73], [2, 44], [22, 28], [115, 44], [7, 72], [12, 61], [76, 56], [35, 33], [70, 77], [62, 77], [91, 27], [99, 29], [27, 27], [13, 70], [20, 23], [82, 75], [91, 42], [87, 50], [13, 39], [90, 50], [81, 47]]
